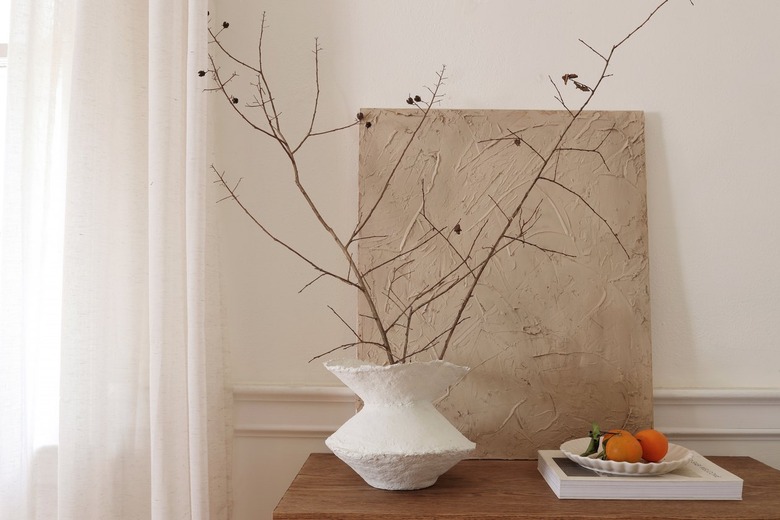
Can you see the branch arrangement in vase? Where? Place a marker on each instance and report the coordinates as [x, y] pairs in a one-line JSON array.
[[391, 328]]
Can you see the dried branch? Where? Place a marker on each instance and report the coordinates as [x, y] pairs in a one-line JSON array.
[[585, 150], [594, 50], [221, 88], [416, 302], [311, 132], [537, 177], [438, 231], [431, 344], [468, 269], [401, 254], [559, 97], [499, 207], [537, 246], [621, 42], [434, 96], [233, 195], [580, 197], [265, 101], [517, 140], [346, 346], [261, 74], [310, 283], [344, 322], [215, 40]]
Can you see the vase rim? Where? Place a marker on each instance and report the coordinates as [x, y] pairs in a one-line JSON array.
[[358, 365]]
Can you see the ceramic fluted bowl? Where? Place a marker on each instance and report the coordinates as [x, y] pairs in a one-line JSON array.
[[675, 458]]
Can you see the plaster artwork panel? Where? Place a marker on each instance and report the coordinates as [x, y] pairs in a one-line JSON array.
[[557, 332]]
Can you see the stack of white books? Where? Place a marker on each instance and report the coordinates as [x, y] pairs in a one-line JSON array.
[[700, 479]]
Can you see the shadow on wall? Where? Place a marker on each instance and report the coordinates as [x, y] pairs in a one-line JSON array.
[[672, 336], [43, 482]]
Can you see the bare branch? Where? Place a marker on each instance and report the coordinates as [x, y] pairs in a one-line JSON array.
[[399, 255], [591, 209], [585, 150], [559, 97], [311, 132], [621, 42], [346, 346], [221, 88], [517, 140], [317, 94], [444, 280], [594, 50], [310, 283], [332, 130], [234, 196], [436, 229], [431, 344], [499, 207], [537, 246], [546, 160], [402, 359], [261, 75], [464, 273], [389, 180], [344, 322], [214, 39]]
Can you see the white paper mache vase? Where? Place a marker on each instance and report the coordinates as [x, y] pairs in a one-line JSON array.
[[399, 440]]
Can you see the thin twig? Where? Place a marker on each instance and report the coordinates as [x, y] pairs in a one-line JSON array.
[[594, 50], [214, 39], [344, 322], [310, 283], [621, 42], [497, 244], [559, 97], [537, 246], [262, 76], [363, 221], [591, 209], [399, 255], [232, 194], [585, 150], [221, 88], [346, 346]]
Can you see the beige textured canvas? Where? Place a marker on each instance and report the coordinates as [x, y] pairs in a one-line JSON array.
[[557, 332]]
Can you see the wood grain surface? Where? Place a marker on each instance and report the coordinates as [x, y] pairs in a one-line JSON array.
[[327, 489]]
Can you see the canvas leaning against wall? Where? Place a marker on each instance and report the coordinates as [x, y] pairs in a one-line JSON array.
[[557, 333]]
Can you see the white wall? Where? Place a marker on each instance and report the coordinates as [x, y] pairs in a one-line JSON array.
[[706, 76]]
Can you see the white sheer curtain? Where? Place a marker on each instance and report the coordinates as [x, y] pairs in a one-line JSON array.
[[113, 402]]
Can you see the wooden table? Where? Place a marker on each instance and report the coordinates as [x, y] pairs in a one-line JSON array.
[[327, 489]]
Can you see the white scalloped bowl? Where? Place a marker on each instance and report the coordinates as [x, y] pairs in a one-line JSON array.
[[675, 458]]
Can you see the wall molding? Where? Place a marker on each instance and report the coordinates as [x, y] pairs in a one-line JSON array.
[[290, 411], [686, 414], [717, 396], [289, 393], [709, 415]]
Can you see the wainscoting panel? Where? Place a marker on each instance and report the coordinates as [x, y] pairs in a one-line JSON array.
[[722, 421], [290, 411], [276, 427]]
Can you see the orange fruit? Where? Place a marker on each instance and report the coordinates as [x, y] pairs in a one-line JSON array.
[[654, 445], [623, 447], [611, 433]]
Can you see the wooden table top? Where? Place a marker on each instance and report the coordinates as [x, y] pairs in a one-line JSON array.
[[327, 489]]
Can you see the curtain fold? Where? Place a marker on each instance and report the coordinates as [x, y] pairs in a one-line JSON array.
[[143, 406], [31, 213]]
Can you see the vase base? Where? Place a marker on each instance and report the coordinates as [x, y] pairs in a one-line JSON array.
[[401, 472]]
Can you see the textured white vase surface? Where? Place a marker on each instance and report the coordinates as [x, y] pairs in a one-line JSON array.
[[398, 440]]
